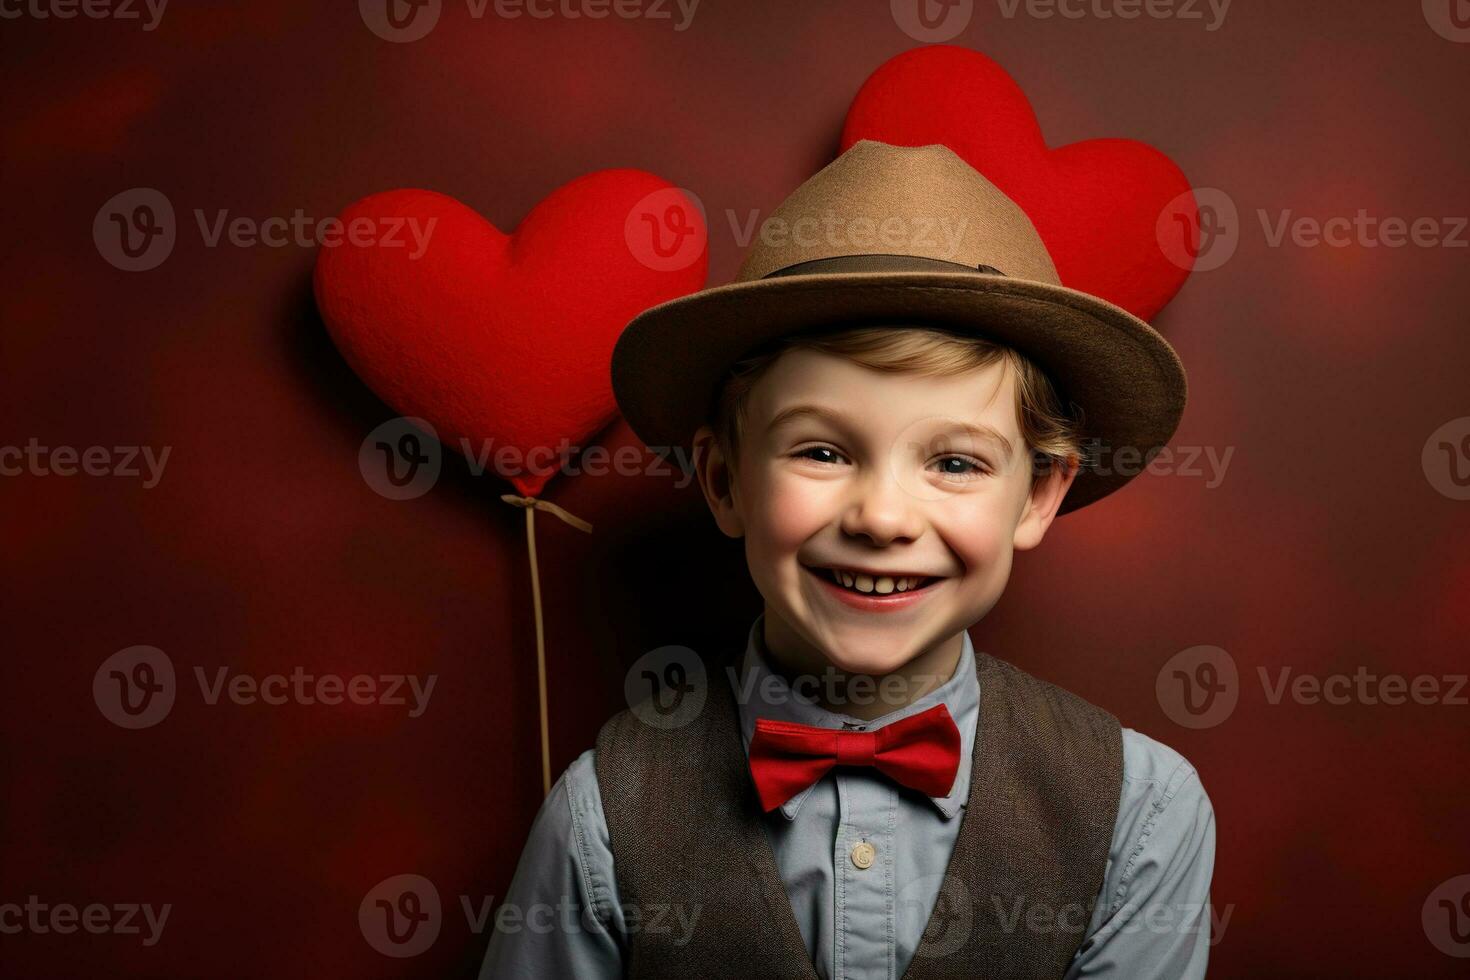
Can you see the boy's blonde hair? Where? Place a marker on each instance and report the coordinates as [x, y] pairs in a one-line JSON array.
[[1052, 431]]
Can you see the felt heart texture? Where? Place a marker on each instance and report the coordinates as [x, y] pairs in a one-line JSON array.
[[506, 340], [1117, 215]]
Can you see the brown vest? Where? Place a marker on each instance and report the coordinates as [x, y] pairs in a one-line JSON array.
[[687, 836]]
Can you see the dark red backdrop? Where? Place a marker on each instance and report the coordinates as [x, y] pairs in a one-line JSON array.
[[1326, 548]]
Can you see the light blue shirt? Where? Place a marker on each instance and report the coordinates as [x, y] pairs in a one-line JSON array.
[[562, 916]]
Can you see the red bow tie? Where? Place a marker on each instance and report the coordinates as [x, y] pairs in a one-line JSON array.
[[921, 751]]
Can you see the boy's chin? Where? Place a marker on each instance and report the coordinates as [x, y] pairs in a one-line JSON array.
[[874, 664]]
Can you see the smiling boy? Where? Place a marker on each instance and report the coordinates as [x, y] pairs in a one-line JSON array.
[[860, 793]]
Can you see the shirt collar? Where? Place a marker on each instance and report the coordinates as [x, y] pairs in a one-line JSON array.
[[763, 693]]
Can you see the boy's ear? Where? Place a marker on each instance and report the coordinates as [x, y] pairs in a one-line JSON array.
[[1042, 502], [717, 481]]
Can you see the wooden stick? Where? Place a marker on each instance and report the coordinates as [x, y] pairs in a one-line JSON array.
[[531, 505]]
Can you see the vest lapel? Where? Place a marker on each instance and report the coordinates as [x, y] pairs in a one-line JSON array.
[[943, 950], [752, 843]]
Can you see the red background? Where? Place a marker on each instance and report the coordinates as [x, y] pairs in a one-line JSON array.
[[1324, 549]]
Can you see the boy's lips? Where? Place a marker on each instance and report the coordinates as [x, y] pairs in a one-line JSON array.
[[872, 601]]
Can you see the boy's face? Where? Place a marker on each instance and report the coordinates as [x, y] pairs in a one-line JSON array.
[[841, 466]]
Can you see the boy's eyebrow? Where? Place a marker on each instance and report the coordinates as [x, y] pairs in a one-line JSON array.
[[978, 430], [986, 432], [796, 412]]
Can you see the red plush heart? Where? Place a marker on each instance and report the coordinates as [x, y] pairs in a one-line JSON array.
[[1106, 208], [499, 337]]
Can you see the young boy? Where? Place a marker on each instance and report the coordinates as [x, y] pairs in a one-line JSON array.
[[885, 413]]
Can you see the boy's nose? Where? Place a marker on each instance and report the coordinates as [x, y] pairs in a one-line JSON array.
[[883, 511]]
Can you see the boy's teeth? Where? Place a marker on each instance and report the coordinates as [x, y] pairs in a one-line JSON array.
[[883, 585]]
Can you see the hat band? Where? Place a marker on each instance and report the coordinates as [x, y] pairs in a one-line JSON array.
[[879, 263]]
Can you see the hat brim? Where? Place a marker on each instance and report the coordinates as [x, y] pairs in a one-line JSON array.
[[1126, 378]]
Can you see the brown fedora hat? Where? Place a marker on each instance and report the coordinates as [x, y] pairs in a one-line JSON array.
[[906, 236]]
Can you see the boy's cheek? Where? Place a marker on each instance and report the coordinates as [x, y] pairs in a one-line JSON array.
[[978, 537], [792, 513]]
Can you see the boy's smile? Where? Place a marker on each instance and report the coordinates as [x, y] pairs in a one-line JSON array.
[[880, 512]]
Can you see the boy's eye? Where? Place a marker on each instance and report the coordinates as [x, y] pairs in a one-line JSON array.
[[821, 454], [957, 468], [963, 467]]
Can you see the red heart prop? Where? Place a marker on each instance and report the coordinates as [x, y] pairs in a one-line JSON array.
[[1107, 209], [499, 337]]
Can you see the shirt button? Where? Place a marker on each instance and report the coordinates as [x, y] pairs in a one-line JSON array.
[[863, 854]]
